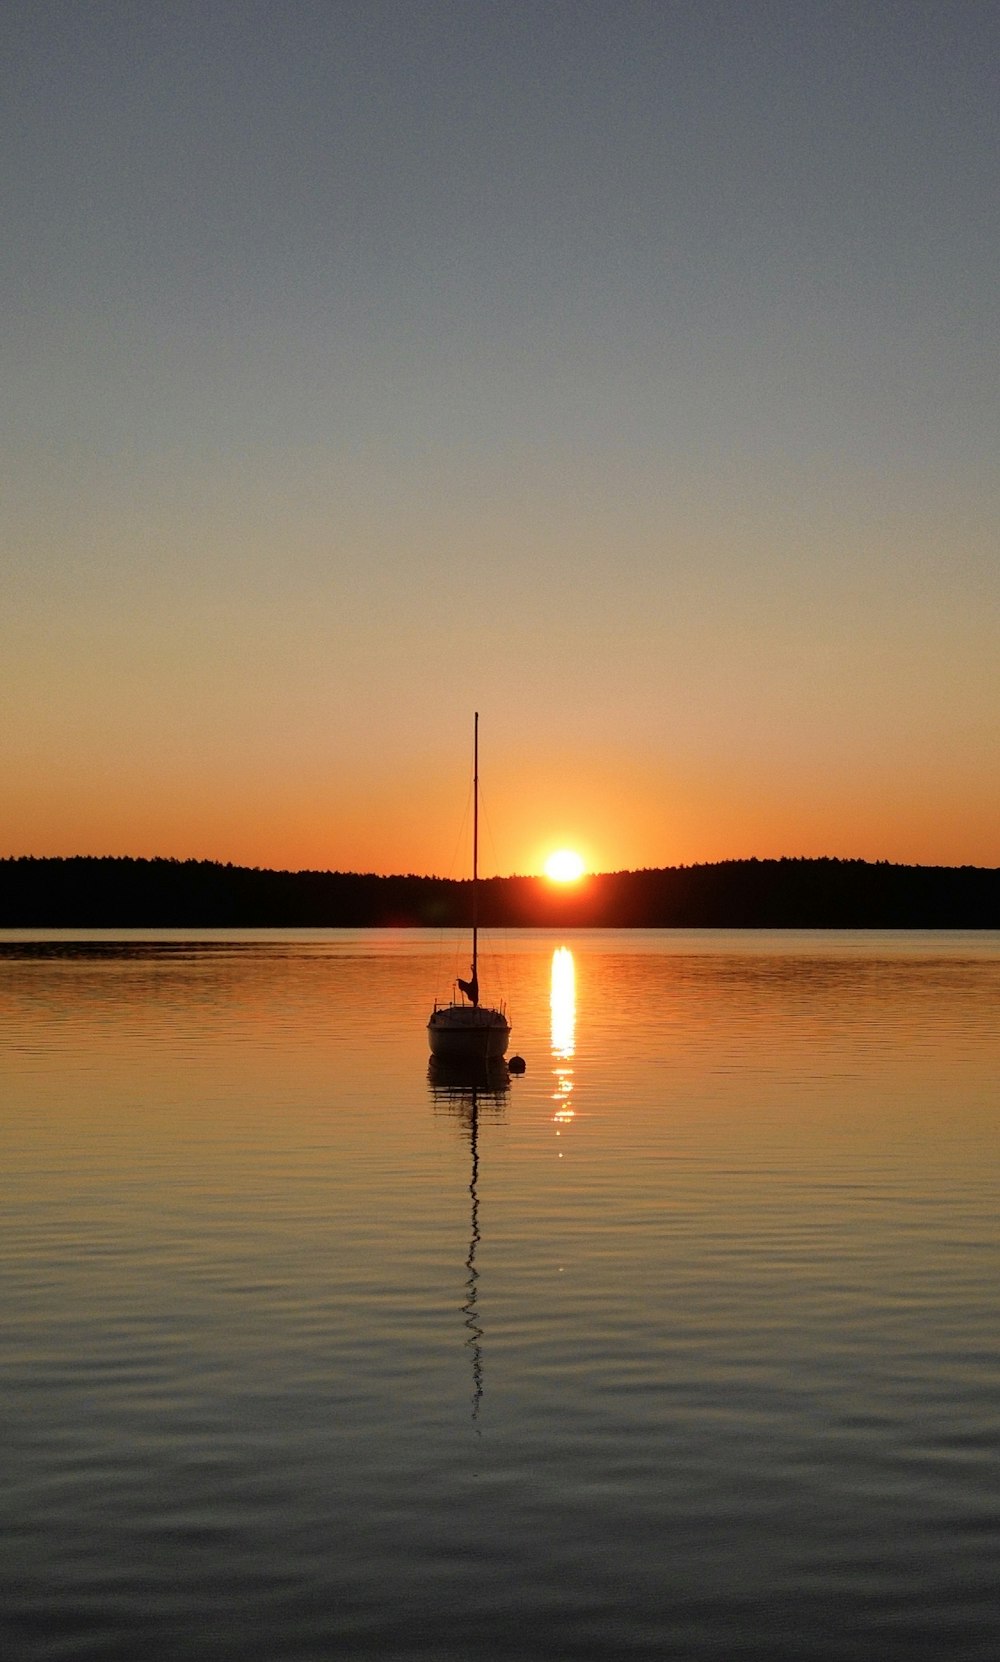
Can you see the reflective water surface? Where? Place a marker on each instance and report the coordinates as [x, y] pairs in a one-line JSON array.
[[682, 1345]]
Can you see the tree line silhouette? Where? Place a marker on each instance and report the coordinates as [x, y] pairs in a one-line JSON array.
[[111, 892]]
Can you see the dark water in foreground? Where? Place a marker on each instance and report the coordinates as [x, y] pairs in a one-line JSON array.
[[684, 1345]]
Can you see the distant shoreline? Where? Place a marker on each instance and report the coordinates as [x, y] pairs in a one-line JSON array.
[[121, 892]]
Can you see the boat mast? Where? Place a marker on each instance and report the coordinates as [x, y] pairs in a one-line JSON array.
[[475, 855]]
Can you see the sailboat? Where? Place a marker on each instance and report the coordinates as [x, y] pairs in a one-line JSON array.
[[467, 1031]]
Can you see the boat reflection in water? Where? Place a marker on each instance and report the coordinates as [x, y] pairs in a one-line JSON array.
[[473, 1093], [562, 1003]]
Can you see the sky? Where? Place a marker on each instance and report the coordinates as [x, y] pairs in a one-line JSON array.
[[627, 372]]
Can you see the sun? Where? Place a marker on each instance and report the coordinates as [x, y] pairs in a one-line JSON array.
[[564, 866]]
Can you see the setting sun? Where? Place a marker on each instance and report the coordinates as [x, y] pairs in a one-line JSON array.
[[564, 866]]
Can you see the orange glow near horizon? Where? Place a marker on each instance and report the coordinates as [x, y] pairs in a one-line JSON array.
[[280, 814]]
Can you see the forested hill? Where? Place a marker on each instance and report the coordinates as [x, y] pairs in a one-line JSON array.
[[125, 893]]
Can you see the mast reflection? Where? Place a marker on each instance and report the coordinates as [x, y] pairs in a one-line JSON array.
[[471, 1093], [562, 1003]]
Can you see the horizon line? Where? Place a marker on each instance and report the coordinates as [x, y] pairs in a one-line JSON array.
[[498, 877]]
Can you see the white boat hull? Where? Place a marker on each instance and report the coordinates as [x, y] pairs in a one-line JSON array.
[[468, 1033]]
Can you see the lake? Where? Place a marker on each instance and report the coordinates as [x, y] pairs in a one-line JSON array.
[[684, 1344]]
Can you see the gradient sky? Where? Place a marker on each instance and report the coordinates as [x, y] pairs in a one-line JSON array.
[[625, 370]]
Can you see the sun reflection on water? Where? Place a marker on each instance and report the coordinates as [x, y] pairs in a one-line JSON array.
[[562, 1002]]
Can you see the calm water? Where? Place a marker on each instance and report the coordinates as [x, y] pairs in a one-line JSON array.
[[682, 1345]]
